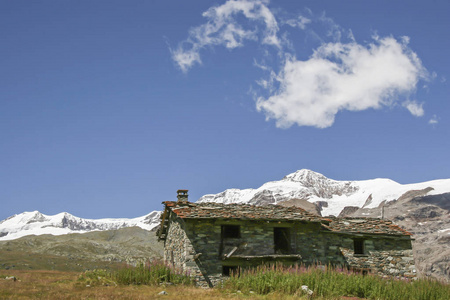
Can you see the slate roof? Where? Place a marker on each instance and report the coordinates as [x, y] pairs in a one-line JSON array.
[[365, 225], [240, 211], [281, 213]]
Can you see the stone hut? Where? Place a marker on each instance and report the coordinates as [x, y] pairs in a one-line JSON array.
[[211, 240]]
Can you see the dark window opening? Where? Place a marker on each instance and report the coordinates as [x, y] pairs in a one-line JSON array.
[[358, 246], [231, 231], [281, 240], [230, 270]]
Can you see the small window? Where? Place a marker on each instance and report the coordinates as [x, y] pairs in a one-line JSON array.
[[231, 231], [358, 246], [230, 270], [282, 241]]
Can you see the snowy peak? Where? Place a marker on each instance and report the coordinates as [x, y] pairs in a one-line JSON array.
[[303, 184], [331, 196], [320, 186], [35, 217], [305, 176], [229, 196], [36, 223]]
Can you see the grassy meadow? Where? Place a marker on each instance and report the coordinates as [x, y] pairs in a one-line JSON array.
[[266, 282], [33, 284], [330, 283]]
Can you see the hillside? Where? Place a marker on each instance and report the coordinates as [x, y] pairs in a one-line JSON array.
[[78, 252]]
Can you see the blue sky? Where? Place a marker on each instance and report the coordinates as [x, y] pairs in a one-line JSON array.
[[109, 107]]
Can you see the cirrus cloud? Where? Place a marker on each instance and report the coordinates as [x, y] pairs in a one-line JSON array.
[[222, 28]]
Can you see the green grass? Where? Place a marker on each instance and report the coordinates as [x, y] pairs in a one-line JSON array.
[[154, 272], [99, 284], [150, 273], [330, 283]]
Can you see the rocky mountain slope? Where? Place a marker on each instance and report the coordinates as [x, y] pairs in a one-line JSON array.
[[36, 223], [428, 219]]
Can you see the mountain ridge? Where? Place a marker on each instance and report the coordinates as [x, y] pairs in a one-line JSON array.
[[327, 197], [314, 187], [36, 223]]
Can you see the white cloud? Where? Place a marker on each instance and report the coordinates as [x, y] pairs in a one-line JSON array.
[[299, 22], [185, 59], [223, 29], [342, 77], [414, 108], [433, 120]]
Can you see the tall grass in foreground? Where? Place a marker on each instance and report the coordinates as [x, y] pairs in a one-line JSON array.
[[150, 273], [329, 282]]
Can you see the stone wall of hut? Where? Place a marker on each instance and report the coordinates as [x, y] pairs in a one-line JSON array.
[[196, 246]]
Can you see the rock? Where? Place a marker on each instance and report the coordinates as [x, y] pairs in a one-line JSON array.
[[348, 211], [11, 278], [307, 290], [302, 203]]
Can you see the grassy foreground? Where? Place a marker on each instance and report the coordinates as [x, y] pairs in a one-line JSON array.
[[148, 281], [330, 283], [65, 285], [32, 284]]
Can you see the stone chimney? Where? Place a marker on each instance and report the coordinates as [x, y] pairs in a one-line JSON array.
[[182, 196]]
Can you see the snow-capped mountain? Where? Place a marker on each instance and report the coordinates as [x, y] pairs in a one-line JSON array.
[[29, 223], [330, 195]]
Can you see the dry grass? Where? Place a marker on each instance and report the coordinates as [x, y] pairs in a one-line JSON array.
[[26, 260], [32, 284]]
